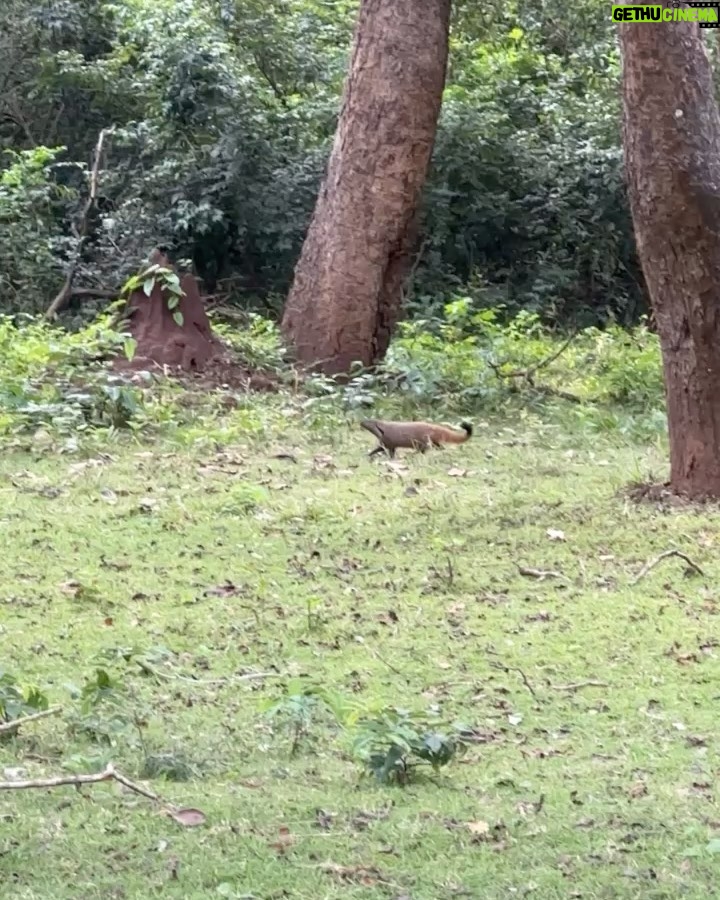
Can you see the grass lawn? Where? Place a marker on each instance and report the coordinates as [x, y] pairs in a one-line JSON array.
[[593, 701]]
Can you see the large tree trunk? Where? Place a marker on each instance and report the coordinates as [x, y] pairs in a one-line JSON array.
[[346, 295], [672, 157]]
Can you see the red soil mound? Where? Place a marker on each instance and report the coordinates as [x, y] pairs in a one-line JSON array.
[[160, 340], [190, 349]]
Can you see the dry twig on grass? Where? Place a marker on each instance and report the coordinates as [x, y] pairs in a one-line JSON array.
[[109, 773], [541, 574], [577, 685], [650, 565], [505, 668], [184, 816], [217, 682]]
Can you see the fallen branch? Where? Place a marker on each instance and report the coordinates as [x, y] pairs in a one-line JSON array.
[[386, 663], [650, 565], [65, 292], [100, 293], [231, 679], [553, 356], [17, 724], [505, 668], [527, 374], [186, 817], [578, 685], [109, 773], [541, 574]]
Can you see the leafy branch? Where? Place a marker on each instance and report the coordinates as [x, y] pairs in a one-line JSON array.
[[167, 279]]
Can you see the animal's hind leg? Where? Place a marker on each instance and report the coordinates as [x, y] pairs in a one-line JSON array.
[[381, 448]]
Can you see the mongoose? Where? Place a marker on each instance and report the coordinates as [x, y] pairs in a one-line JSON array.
[[415, 435]]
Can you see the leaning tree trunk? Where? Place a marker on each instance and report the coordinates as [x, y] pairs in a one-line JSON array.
[[347, 290], [672, 158]]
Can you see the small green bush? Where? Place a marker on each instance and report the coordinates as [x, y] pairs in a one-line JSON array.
[[56, 379]]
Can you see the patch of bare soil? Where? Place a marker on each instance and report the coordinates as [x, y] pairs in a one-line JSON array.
[[229, 372], [662, 495]]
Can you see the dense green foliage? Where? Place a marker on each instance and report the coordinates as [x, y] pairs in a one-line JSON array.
[[59, 386], [224, 111]]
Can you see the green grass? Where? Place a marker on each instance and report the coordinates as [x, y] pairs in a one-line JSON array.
[[394, 585]]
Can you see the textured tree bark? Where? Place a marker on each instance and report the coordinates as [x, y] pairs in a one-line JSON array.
[[347, 290], [672, 158]]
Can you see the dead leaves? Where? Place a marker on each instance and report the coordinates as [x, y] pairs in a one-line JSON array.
[[479, 829], [541, 752], [82, 593], [226, 589], [364, 818], [495, 836], [323, 462], [188, 817], [284, 841], [542, 616], [637, 790], [396, 469], [368, 876], [323, 819], [531, 807], [682, 657]]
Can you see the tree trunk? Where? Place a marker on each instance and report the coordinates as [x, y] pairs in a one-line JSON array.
[[672, 158], [347, 290]]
